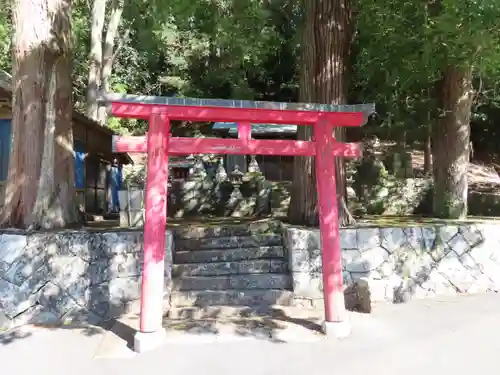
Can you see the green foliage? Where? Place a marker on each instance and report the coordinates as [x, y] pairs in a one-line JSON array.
[[221, 46], [5, 38], [248, 49], [81, 43], [243, 49], [402, 48]]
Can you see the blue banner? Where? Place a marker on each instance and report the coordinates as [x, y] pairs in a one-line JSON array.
[[5, 140], [79, 164]]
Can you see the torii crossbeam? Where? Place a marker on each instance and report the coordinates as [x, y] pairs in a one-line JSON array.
[[159, 144]]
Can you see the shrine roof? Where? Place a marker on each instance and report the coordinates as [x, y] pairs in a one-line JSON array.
[[232, 128]]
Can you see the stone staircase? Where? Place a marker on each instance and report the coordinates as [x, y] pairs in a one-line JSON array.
[[229, 267]]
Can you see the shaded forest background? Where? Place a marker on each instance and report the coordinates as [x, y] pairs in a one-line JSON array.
[[432, 69]]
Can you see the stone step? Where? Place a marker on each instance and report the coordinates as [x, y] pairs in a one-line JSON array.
[[221, 312], [102, 224], [255, 281], [248, 229], [229, 255], [230, 268], [233, 242], [249, 297]]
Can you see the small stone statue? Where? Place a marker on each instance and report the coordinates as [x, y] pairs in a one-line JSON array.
[[253, 167], [198, 169], [221, 174]]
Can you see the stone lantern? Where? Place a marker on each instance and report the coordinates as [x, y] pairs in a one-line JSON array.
[[236, 177]]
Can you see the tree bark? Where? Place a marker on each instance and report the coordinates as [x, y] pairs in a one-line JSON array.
[[428, 151], [110, 52], [103, 53], [428, 135], [450, 144], [326, 46], [40, 190], [95, 57]]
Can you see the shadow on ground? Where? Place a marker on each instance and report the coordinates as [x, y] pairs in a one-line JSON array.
[[24, 332], [10, 336], [273, 324]]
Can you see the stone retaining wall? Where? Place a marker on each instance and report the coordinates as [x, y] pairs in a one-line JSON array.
[[396, 264], [69, 275], [93, 276]]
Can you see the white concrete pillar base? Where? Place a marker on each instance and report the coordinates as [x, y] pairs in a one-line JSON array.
[[146, 341], [336, 330]]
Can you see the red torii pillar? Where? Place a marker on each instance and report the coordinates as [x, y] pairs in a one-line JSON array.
[[159, 145]]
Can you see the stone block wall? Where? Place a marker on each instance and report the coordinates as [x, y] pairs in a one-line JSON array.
[[397, 264], [69, 275]]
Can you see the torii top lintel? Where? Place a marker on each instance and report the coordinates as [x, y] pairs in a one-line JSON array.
[[220, 110]]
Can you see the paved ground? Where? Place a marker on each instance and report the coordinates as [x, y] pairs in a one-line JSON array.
[[443, 336]]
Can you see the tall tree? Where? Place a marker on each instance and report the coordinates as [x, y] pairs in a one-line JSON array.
[[326, 44], [95, 57], [451, 143], [475, 27], [105, 44], [40, 190], [428, 53]]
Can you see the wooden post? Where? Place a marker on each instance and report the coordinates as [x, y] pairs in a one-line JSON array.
[[151, 331], [128, 205], [244, 132], [244, 135], [335, 313]]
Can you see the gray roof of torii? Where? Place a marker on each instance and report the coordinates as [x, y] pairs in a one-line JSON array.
[[366, 109]]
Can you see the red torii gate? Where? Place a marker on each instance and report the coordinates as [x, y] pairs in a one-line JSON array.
[[159, 144]]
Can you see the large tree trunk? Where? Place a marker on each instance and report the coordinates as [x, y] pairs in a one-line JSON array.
[[325, 57], [41, 189], [428, 134], [95, 57], [428, 150], [450, 144]]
